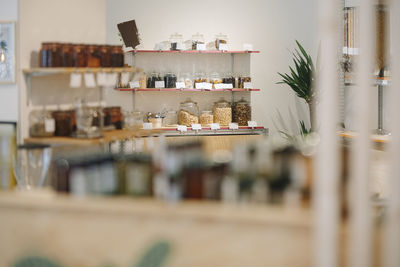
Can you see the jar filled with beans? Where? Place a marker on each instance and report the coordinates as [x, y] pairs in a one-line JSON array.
[[222, 112], [241, 112]]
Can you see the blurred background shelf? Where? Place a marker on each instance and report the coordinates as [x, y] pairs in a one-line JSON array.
[[49, 71], [196, 51], [184, 90]]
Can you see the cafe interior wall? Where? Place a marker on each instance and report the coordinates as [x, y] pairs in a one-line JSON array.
[[271, 26]]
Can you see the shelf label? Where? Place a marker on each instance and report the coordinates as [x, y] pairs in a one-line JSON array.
[[111, 79], [196, 127], [101, 79], [227, 86], [89, 80], [75, 80], [49, 125], [182, 128], [219, 86], [199, 85], [233, 126], [223, 47], [147, 126], [248, 85], [125, 77], [201, 47], [247, 47], [207, 86], [215, 126], [134, 84], [180, 46], [180, 85], [252, 124], [159, 84]]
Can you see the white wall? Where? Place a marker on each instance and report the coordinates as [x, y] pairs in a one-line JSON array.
[[9, 92], [270, 25], [60, 21]]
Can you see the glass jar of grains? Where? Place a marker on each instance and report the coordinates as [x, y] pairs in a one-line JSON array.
[[188, 113], [242, 112], [222, 112], [206, 118]]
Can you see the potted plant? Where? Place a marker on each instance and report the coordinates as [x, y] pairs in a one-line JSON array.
[[301, 79]]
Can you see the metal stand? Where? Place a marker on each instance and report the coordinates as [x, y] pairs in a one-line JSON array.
[[380, 130]]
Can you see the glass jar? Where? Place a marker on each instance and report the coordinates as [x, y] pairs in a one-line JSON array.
[[229, 78], [222, 112], [221, 39], [188, 113], [105, 56], [63, 122], [215, 78], [170, 80], [241, 112], [197, 39], [188, 79], [113, 116], [80, 57], [242, 80], [67, 57], [176, 41], [54, 56], [156, 121], [151, 80], [41, 123], [200, 77], [142, 80], [117, 56], [93, 57], [133, 120], [171, 118], [44, 55], [206, 118]]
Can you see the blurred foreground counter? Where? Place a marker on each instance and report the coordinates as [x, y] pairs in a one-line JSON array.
[[118, 231]]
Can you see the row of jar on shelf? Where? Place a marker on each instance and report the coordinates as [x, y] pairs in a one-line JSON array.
[[199, 80], [223, 113], [80, 55], [196, 42]]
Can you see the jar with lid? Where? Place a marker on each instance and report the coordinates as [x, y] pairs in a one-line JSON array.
[[93, 57], [133, 120], [80, 57], [176, 41], [171, 118], [197, 39], [188, 79], [241, 112], [221, 39], [188, 113], [63, 122], [152, 78], [44, 55], [170, 80], [67, 56], [117, 56], [215, 78], [200, 77], [105, 56], [54, 56], [222, 112], [113, 116], [229, 78], [243, 79], [206, 118], [155, 120], [142, 80], [41, 123]]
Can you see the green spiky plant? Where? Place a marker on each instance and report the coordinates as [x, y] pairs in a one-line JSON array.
[[301, 79]]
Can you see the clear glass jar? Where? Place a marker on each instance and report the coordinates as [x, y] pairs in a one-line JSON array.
[[170, 80], [221, 39], [229, 78], [41, 123], [222, 112], [197, 39], [206, 118], [152, 78], [215, 78], [200, 77], [176, 41], [188, 113], [241, 112], [133, 120], [243, 79], [188, 80], [171, 118]]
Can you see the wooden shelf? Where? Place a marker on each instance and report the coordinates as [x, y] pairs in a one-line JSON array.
[[184, 90], [196, 51]]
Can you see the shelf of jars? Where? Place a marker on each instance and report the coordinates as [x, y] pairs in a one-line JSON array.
[[196, 51], [69, 70], [185, 90]]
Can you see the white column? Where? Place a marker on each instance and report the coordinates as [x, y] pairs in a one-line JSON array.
[[359, 193], [325, 198], [392, 234]]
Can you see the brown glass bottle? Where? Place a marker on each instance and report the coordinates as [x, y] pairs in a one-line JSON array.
[[93, 57], [44, 55], [117, 56], [63, 121], [67, 55], [105, 56], [79, 54], [54, 55]]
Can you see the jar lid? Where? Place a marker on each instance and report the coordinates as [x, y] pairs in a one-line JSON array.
[[197, 36], [206, 112], [176, 36], [242, 101], [188, 102], [222, 101], [221, 36]]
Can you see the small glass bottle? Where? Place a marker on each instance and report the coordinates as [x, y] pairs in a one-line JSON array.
[[44, 55], [93, 58], [105, 56], [117, 56], [80, 57]]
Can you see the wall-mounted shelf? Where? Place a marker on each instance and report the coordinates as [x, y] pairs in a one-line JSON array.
[[184, 90], [195, 51], [50, 71]]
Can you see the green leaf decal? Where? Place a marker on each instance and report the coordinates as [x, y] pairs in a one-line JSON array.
[[155, 256]]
